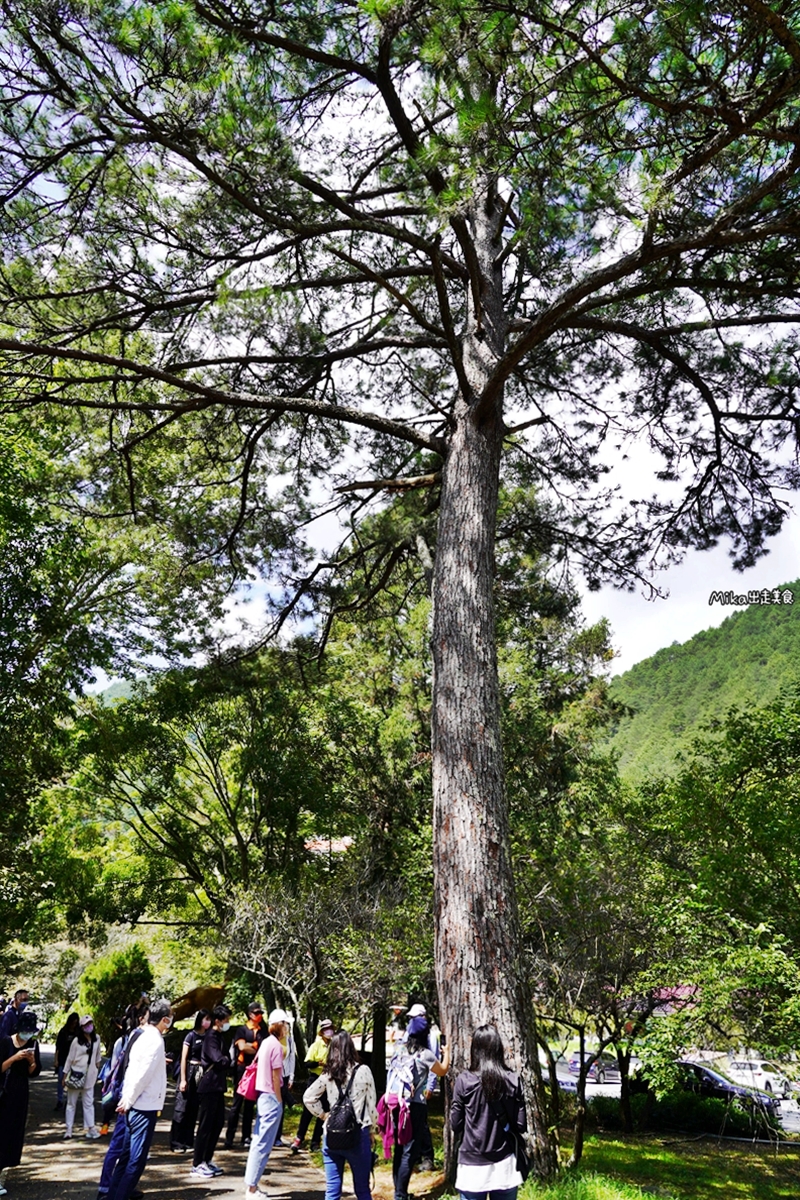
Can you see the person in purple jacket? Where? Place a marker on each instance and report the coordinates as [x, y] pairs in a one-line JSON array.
[[488, 1114]]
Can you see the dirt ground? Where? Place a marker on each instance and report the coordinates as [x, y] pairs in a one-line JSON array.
[[53, 1169]]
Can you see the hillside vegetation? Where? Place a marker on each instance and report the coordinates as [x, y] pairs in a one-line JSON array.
[[745, 661]]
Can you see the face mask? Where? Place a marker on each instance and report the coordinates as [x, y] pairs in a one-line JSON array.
[[226, 1027], [88, 1029], [23, 1004], [24, 1037], [206, 1024], [257, 1018]]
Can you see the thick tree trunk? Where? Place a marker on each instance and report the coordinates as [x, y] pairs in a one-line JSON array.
[[479, 964]]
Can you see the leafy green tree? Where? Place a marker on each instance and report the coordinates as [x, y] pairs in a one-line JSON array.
[[113, 982], [733, 792], [477, 241], [221, 775]]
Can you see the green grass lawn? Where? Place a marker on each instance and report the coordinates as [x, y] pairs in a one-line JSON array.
[[638, 1168], [616, 1168]]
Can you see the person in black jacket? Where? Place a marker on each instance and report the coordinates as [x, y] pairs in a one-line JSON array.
[[488, 1113], [64, 1038], [19, 1060], [215, 1061], [184, 1114]]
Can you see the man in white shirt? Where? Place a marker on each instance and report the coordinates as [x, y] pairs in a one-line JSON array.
[[143, 1092]]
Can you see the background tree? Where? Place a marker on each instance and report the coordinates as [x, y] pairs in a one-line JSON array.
[[111, 983], [242, 232]]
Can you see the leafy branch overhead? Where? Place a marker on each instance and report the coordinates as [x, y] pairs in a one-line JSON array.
[[246, 231]]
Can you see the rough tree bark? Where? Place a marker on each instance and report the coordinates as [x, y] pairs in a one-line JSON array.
[[480, 973]]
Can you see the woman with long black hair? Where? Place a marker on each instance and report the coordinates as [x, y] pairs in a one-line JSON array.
[[344, 1073], [64, 1039], [488, 1113]]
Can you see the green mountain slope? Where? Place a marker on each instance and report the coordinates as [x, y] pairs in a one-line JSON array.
[[744, 661]]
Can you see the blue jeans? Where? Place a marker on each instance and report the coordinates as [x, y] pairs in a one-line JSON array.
[[139, 1129], [360, 1160], [506, 1194], [269, 1110], [112, 1154]]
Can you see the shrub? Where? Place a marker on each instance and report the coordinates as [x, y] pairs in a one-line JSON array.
[[684, 1111], [109, 985]]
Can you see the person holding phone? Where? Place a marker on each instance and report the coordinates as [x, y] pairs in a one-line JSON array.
[[19, 1060]]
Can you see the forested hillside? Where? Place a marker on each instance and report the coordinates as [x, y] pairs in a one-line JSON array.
[[744, 661]]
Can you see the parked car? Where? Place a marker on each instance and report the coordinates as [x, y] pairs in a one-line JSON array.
[[696, 1077], [604, 1069], [757, 1073]]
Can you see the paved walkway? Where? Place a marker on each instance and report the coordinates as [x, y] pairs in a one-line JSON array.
[[53, 1169]]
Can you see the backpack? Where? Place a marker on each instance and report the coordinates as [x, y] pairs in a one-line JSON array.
[[403, 1075], [343, 1128], [116, 1078]]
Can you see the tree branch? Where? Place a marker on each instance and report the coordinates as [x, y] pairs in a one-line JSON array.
[[210, 395]]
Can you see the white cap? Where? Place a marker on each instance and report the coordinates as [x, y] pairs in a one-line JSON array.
[[87, 1020], [417, 1010], [277, 1015]]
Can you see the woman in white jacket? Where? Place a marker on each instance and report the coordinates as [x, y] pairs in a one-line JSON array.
[[83, 1059]]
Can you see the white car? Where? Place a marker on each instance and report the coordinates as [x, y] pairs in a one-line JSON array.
[[756, 1072]]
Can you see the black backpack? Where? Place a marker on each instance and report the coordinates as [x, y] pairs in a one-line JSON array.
[[343, 1128]]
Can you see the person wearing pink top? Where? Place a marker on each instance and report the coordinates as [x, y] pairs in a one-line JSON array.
[[269, 1106]]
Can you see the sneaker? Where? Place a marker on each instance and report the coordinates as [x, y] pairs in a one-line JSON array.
[[202, 1171], [296, 1145], [103, 1131], [426, 1164], [214, 1169], [93, 1133], [246, 1144], [67, 1137], [3, 1191]]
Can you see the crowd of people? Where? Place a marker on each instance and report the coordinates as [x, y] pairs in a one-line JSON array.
[[487, 1113]]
